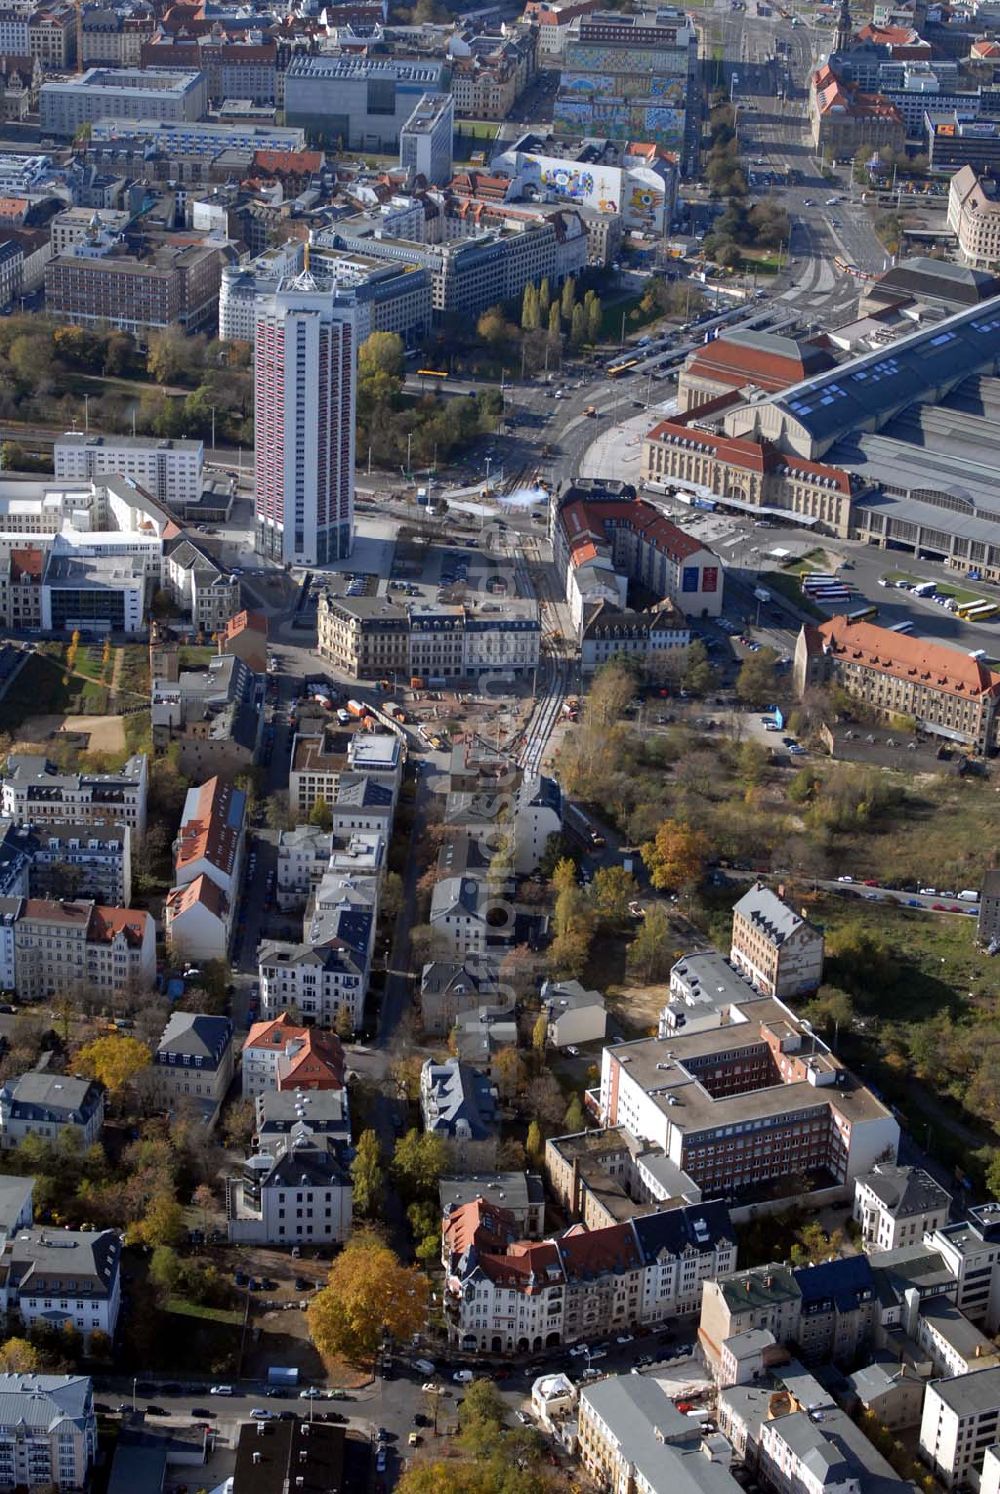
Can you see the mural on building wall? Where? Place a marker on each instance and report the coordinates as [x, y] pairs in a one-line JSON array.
[[663, 126], [643, 206]]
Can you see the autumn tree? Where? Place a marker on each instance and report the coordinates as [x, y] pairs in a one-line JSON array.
[[575, 1119], [675, 856], [113, 1061], [369, 1291], [19, 1357], [321, 814], [564, 876], [650, 955], [757, 680], [367, 1175], [382, 353], [612, 688], [568, 298], [540, 1033], [535, 1144], [699, 677], [529, 309], [162, 1223]]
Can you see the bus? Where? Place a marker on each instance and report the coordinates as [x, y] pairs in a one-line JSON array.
[[903, 627], [812, 579], [863, 614], [431, 373], [615, 370], [980, 611], [964, 609], [828, 594]]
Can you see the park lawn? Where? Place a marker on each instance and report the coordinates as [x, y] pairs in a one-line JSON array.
[[194, 656], [181, 1308], [40, 690]]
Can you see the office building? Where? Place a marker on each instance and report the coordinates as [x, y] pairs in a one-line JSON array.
[[275, 1457], [897, 1206], [121, 94], [36, 793], [76, 225], [90, 593], [172, 471], [305, 371], [635, 183], [780, 953], [955, 140], [425, 140], [974, 217], [961, 1419], [945, 691], [747, 1097], [604, 537], [361, 103], [371, 637], [49, 1431], [170, 285], [843, 120], [631, 77]]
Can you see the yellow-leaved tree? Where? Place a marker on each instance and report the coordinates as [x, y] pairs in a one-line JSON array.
[[368, 1290]]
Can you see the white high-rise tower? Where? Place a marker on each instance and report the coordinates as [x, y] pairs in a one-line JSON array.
[[305, 373]]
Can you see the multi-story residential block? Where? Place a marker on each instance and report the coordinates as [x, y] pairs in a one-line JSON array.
[[490, 72], [943, 689], [279, 1055], [11, 271], [953, 1344], [36, 793], [194, 1061], [52, 35], [113, 38], [425, 140], [971, 1251], [988, 926], [173, 471], [303, 857], [73, 945], [354, 102], [74, 861], [519, 1194], [21, 574], [121, 94], [327, 980], [747, 1097], [171, 284], [604, 537], [370, 637], [459, 1104], [362, 803], [320, 761], [461, 917], [300, 1194], [631, 77], [305, 373], [509, 1295], [61, 1277], [607, 1177], [961, 1419], [47, 1105], [201, 585], [78, 225], [798, 1453], [286, 1451], [208, 864], [50, 1431], [780, 953], [633, 1438], [897, 1206], [322, 1116], [234, 67], [213, 713]]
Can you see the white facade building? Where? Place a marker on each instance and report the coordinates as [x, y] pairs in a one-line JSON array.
[[49, 1431], [425, 141], [305, 375], [961, 1419], [172, 471]]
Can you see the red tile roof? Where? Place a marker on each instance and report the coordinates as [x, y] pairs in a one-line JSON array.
[[751, 456], [288, 162], [734, 363], [107, 922], [316, 1058], [933, 665], [528, 1266], [480, 1224], [596, 1251], [592, 520], [26, 565], [209, 835], [202, 890]]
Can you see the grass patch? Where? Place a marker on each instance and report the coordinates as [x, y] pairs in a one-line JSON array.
[[40, 690], [787, 586], [227, 1315], [193, 656], [133, 675], [943, 588]]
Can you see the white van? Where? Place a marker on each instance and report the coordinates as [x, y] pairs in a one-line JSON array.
[[969, 895]]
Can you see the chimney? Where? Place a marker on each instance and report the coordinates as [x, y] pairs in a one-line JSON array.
[[781, 889]]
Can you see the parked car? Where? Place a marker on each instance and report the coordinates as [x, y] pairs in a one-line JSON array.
[[463, 1377]]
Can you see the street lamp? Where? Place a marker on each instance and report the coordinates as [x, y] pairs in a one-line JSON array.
[[734, 79]]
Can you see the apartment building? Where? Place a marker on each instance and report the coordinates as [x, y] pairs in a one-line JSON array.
[[193, 1061], [780, 953], [458, 1103], [971, 1251], [487, 82], [74, 861], [321, 1116], [212, 714], [801, 1452], [448, 988], [505, 1294], [372, 637], [208, 865], [961, 1419], [750, 1097], [303, 857], [49, 1436], [77, 225], [173, 471], [299, 1194], [52, 36], [47, 1105], [519, 1194], [948, 693], [326, 980], [633, 1438], [61, 1277], [36, 793], [120, 94], [172, 284], [201, 585], [68, 946], [607, 1176], [21, 574], [897, 1206], [282, 1056]]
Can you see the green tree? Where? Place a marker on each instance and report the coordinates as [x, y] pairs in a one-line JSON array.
[[756, 683], [382, 353], [368, 1292], [651, 954], [321, 814], [568, 298], [612, 890], [700, 678], [367, 1175], [831, 1009], [529, 309], [574, 1120], [165, 1269], [594, 313], [419, 1161], [578, 326]]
